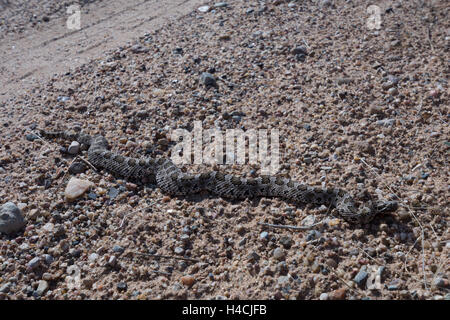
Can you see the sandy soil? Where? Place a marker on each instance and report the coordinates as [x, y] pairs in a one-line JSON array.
[[361, 109], [37, 43]]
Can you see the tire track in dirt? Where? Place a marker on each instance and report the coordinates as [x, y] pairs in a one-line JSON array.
[[32, 59]]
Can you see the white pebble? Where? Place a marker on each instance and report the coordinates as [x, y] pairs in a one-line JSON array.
[[74, 148]]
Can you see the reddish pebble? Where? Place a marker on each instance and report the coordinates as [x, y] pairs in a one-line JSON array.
[[338, 294], [187, 280]]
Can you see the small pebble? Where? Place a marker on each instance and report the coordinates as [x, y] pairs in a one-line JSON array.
[[34, 263], [113, 193], [187, 280], [76, 188], [279, 254], [440, 282], [77, 167], [338, 294], [253, 256], [93, 257], [31, 137], [221, 5], [323, 296], [74, 148], [394, 285], [179, 250], [204, 8], [312, 235], [264, 236], [299, 50], [5, 287], [361, 277], [286, 242], [118, 249], [208, 79], [122, 286], [42, 287], [11, 219]]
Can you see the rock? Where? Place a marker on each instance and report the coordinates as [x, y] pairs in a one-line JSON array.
[[59, 230], [113, 193], [364, 147], [253, 256], [393, 79], [137, 48], [62, 99], [122, 286], [264, 236], [312, 235], [42, 287], [187, 280], [286, 242], [74, 148], [376, 110], [118, 249], [112, 261], [76, 188], [208, 79], [283, 280], [221, 5], [394, 285], [175, 51], [299, 50], [387, 85], [31, 137], [385, 122], [361, 278], [34, 263], [204, 8], [326, 3], [332, 263], [279, 254], [88, 282], [6, 287], [48, 258], [308, 221], [240, 230], [424, 175], [282, 268], [393, 91], [323, 296], [340, 81], [338, 294], [440, 283], [93, 256], [11, 219], [178, 250], [77, 167]]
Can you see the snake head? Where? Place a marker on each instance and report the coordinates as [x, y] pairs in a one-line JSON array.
[[385, 206]]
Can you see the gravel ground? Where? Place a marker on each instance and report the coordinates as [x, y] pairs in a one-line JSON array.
[[356, 108]]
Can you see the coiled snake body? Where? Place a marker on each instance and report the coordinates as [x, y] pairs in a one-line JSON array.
[[171, 180]]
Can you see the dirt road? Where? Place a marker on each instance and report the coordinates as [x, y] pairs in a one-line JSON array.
[[35, 54]]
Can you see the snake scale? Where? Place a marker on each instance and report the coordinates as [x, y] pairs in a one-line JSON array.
[[172, 181]]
